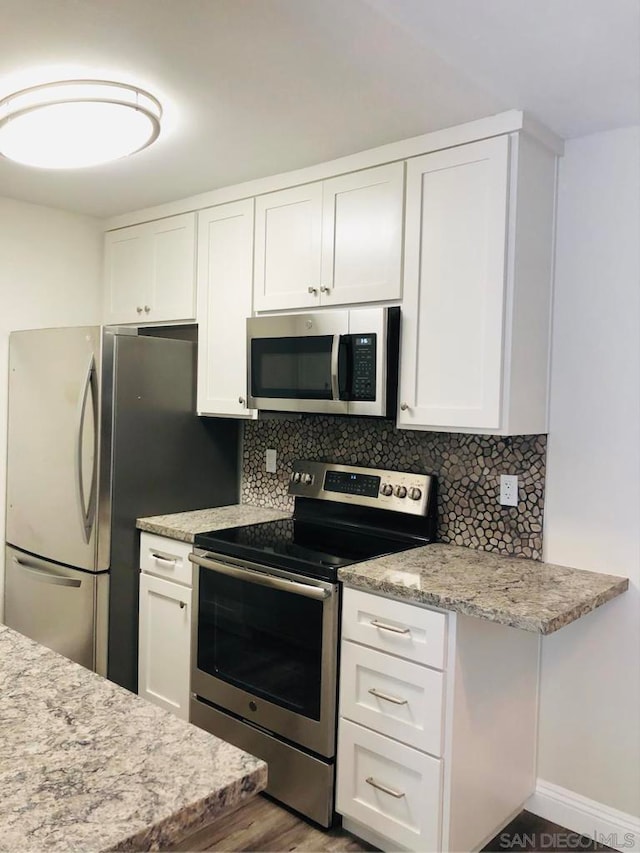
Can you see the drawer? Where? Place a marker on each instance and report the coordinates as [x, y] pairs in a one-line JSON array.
[[165, 558], [393, 697], [392, 626], [391, 788]]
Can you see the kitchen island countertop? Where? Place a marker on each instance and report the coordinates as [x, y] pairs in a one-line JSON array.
[[184, 525], [514, 591], [87, 766]]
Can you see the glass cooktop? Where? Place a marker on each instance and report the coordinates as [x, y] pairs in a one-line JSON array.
[[315, 550]]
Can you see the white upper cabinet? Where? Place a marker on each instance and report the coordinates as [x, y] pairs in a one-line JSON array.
[[150, 272], [334, 242], [477, 288], [225, 267]]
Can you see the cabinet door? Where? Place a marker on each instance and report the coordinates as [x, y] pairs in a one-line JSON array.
[[287, 248], [225, 267], [127, 274], [164, 650], [172, 247], [150, 272], [362, 236], [454, 286]]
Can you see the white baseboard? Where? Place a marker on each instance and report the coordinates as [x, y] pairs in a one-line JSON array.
[[588, 817]]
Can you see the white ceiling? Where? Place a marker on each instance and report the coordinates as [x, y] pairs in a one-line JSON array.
[[255, 87]]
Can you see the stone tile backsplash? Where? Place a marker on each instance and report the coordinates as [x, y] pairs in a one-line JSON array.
[[468, 468]]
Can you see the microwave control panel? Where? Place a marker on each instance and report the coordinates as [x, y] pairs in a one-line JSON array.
[[363, 354]]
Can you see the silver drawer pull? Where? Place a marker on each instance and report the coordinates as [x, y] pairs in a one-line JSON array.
[[387, 698], [391, 791], [392, 628], [169, 561]]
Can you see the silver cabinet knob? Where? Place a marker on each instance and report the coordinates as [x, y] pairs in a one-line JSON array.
[[386, 489], [295, 477], [400, 491], [139, 309], [404, 406], [147, 308], [242, 401], [324, 289], [307, 479], [415, 494], [313, 291]]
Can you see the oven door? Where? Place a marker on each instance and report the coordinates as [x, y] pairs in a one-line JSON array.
[[265, 647]]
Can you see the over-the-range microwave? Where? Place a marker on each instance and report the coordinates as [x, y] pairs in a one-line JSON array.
[[332, 362]]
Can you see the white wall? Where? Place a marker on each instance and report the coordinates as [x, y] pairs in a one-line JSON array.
[[50, 267], [589, 737]]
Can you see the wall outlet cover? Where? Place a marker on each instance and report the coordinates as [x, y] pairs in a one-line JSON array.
[[270, 461], [509, 489]]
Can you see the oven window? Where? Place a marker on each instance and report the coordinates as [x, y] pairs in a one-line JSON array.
[[264, 641], [292, 368]]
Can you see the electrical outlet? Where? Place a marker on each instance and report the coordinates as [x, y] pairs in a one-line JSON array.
[[509, 489], [270, 461]]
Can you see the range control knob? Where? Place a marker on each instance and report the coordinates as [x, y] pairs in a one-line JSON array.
[[386, 489], [400, 491], [307, 479], [295, 477], [415, 494]]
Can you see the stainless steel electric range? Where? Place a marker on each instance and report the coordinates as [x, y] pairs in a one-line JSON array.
[[265, 633]]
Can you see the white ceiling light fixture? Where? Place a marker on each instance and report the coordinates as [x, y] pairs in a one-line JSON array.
[[72, 124]]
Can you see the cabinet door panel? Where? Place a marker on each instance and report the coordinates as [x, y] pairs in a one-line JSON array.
[[128, 273], [164, 650], [455, 259], [287, 248], [362, 236], [172, 294], [225, 267]]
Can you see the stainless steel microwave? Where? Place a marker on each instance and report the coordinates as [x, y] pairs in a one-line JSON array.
[[332, 362]]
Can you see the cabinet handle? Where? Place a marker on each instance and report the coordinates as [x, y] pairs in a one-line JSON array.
[[404, 406], [169, 561], [391, 791], [313, 291], [387, 698], [242, 401], [139, 309], [147, 308], [324, 289], [393, 628], [183, 604]]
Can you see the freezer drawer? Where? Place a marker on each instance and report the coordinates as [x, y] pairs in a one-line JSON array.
[[62, 608]]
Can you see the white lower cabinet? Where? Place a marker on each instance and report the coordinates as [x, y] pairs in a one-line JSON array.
[[436, 738], [164, 656]]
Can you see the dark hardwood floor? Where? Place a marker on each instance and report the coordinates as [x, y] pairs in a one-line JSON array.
[[262, 826]]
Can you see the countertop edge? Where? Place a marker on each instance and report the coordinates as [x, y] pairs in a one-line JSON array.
[[177, 828]]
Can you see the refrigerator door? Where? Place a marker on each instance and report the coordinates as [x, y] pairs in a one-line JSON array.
[[53, 443], [62, 608]]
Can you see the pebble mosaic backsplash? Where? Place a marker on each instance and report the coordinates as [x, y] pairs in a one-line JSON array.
[[468, 468]]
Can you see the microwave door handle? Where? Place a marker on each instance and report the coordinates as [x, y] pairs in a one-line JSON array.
[[335, 361]]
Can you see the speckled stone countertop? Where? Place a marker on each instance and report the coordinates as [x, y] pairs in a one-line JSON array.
[[518, 592], [87, 766], [185, 525]]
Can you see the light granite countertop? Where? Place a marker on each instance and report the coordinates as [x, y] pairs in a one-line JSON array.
[[87, 766], [522, 593], [185, 525]]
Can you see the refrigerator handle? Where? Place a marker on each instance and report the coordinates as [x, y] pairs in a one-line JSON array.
[[46, 577], [87, 509]]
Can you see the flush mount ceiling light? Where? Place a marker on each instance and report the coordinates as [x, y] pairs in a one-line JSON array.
[[72, 124]]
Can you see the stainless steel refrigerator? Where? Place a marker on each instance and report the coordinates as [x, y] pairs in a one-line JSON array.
[[101, 430]]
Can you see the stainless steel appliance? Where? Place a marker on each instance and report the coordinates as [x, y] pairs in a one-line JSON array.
[[334, 362], [266, 618], [101, 429]]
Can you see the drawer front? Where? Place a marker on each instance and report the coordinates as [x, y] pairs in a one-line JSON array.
[[165, 558], [391, 788], [394, 697], [391, 626]]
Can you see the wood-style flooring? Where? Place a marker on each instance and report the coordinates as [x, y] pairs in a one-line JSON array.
[[262, 826]]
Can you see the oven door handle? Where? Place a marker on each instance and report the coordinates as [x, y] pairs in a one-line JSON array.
[[304, 589]]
